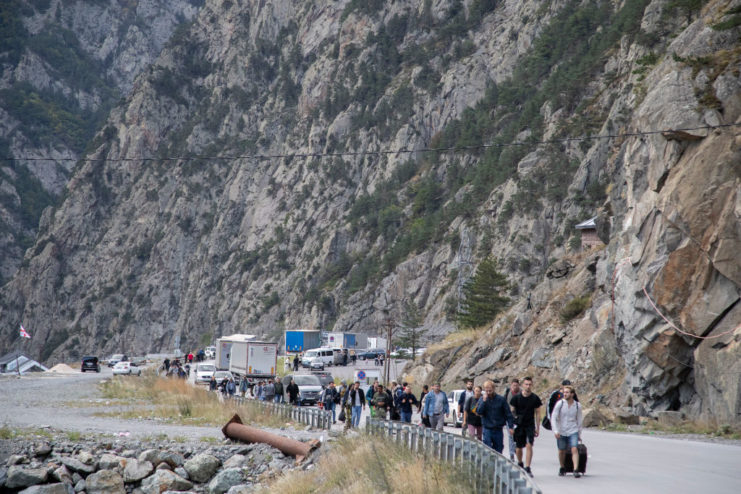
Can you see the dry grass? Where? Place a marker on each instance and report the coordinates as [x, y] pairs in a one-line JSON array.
[[370, 464], [457, 338], [176, 401]]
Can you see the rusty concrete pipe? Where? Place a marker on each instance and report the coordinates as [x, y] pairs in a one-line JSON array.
[[235, 429]]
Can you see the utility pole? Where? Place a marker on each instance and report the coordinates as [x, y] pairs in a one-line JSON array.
[[390, 327]]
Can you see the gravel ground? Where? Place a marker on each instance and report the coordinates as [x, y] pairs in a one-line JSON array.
[[43, 401]]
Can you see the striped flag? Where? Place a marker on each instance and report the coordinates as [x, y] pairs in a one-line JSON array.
[[24, 333]]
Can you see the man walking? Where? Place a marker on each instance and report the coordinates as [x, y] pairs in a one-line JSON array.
[[380, 402], [494, 413], [268, 391], [278, 391], [566, 421], [328, 398], [436, 407], [406, 401], [292, 390], [526, 406], [514, 389], [356, 399], [295, 363], [468, 393]]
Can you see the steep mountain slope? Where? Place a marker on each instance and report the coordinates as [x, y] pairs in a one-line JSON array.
[[272, 169], [63, 65]]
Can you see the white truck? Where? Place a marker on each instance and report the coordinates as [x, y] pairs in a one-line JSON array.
[[253, 360], [224, 348]]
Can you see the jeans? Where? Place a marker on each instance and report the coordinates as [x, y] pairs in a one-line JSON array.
[[356, 411], [406, 417], [512, 445], [494, 438], [437, 420], [328, 407], [278, 398]]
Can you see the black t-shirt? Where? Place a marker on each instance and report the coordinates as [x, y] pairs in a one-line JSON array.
[[525, 408]]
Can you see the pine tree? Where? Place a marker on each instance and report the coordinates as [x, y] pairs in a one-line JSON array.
[[483, 296], [411, 331]]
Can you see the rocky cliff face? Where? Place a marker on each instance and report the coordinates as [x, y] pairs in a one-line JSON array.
[[63, 65], [269, 171]]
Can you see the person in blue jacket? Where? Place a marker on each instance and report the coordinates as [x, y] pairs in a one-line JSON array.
[[494, 412], [436, 407]]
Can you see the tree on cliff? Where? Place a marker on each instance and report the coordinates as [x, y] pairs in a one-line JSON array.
[[483, 296], [411, 330]]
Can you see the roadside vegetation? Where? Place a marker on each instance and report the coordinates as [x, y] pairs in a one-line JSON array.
[[371, 464], [178, 402], [722, 431]]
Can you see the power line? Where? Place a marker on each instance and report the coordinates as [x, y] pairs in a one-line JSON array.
[[387, 152]]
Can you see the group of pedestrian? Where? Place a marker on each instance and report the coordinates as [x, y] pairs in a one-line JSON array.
[[227, 386], [175, 368]]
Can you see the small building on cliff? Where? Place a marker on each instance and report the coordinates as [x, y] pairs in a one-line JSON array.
[[589, 238]]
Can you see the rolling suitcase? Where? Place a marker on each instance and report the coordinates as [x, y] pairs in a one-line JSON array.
[[569, 464]]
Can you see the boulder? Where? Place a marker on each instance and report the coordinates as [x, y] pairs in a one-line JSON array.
[[80, 486], [150, 455], [165, 466], [19, 476], [42, 448], [86, 457], [240, 489], [225, 479], [136, 470], [76, 465], [202, 467], [105, 482], [62, 475], [15, 460], [111, 462], [171, 458], [626, 418], [164, 480], [58, 488], [670, 418], [594, 418], [235, 461]]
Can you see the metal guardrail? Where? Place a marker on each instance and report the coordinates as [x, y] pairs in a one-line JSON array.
[[490, 471], [321, 419]]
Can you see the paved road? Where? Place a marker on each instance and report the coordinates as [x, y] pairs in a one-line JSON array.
[[618, 463]]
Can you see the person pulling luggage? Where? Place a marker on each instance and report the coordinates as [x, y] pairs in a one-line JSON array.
[[566, 422]]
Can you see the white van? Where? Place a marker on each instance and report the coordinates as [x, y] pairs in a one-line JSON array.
[[323, 355]]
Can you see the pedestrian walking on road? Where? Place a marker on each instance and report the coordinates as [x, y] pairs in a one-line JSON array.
[[231, 388], [243, 387], [329, 395], [295, 363], [467, 393], [268, 391], [406, 401], [381, 402], [494, 413], [470, 419], [166, 363], [556, 396], [514, 389], [212, 384], [526, 408], [356, 399], [436, 407], [292, 390], [422, 399], [278, 391], [369, 398], [566, 421]]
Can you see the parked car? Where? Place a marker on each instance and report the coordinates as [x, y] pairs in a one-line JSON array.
[[203, 373], [220, 375], [370, 354], [309, 387], [316, 365], [127, 368], [90, 364], [453, 417], [116, 358], [210, 352], [324, 377]]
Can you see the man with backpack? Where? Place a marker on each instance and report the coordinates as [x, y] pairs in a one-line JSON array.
[[329, 396], [566, 422], [526, 406]]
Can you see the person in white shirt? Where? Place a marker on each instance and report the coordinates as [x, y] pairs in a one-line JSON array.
[[566, 421]]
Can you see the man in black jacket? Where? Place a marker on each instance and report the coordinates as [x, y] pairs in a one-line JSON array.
[[355, 397], [406, 401], [292, 390], [278, 390], [328, 398]]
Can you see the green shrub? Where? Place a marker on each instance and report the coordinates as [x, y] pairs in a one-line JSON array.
[[575, 307]]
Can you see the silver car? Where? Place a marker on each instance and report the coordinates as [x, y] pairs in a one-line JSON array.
[[203, 373]]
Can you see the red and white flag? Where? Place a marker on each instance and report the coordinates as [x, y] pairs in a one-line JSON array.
[[24, 333]]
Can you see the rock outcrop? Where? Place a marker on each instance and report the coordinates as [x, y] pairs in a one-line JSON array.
[[272, 169]]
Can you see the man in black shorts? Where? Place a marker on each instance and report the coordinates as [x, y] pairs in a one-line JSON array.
[[526, 408]]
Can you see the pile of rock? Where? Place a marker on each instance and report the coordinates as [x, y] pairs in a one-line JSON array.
[[137, 467]]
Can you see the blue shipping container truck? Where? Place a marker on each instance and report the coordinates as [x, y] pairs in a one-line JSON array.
[[301, 340]]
